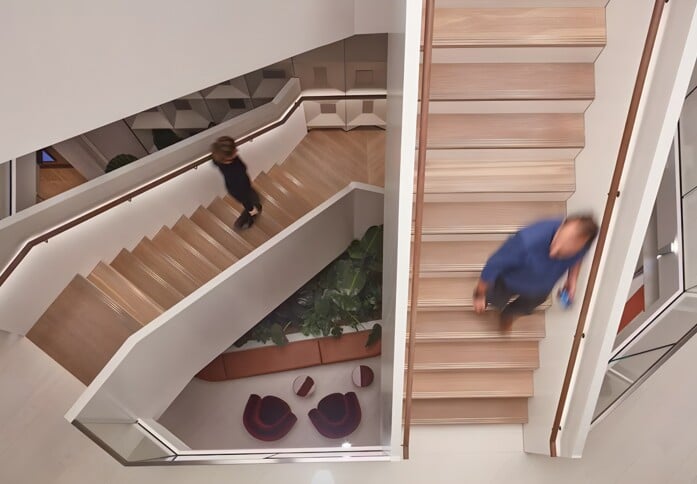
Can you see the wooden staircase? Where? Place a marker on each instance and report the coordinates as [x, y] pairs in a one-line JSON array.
[[509, 87], [94, 315]]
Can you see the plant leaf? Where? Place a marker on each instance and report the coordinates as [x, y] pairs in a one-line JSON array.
[[350, 280], [337, 331], [374, 336], [277, 335], [348, 303]]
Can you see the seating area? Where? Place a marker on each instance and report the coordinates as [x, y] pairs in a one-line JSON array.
[[336, 416], [218, 415], [268, 418]]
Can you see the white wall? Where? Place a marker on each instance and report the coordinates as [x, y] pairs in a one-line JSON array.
[[377, 16], [4, 189], [652, 140], [81, 157], [27, 174], [115, 139], [87, 64], [155, 364], [27, 293], [627, 23]]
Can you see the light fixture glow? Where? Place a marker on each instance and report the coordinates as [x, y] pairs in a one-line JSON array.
[[346, 445]]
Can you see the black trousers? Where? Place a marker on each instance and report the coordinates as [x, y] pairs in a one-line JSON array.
[[499, 296], [249, 201]]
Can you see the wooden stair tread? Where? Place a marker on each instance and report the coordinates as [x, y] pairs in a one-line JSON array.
[[295, 186], [467, 326], [228, 210], [513, 81], [204, 243], [134, 301], [224, 235], [148, 281], [82, 329], [335, 166], [449, 291], [310, 176], [454, 355], [146, 247], [168, 270], [472, 384], [297, 203], [450, 177], [516, 130], [456, 256], [470, 410], [349, 152], [182, 252], [293, 206], [489, 217], [517, 27]]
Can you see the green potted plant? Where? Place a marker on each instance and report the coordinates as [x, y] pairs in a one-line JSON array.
[[118, 161], [348, 292]]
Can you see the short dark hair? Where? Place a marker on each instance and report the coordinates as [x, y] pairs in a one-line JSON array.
[[587, 226], [223, 148]]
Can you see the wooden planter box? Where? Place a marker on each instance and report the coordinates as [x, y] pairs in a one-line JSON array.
[[292, 356]]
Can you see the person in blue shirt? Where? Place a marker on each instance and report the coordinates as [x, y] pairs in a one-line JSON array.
[[521, 274]]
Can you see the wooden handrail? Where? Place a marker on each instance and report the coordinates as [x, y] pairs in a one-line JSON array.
[[419, 211], [46, 236], [612, 196]]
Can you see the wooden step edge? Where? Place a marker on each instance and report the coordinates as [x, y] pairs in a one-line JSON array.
[[125, 318], [482, 336], [458, 304], [488, 365], [159, 285], [185, 246], [184, 224], [222, 226], [471, 394], [491, 43], [470, 420], [171, 261], [489, 144], [292, 190], [474, 268], [472, 229], [112, 293]]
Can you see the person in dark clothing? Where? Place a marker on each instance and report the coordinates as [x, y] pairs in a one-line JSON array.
[[237, 182], [529, 264]]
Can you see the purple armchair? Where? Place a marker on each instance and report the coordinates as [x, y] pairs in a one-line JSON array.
[[336, 415], [268, 418]]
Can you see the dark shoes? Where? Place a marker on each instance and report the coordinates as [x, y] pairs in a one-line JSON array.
[[246, 220]]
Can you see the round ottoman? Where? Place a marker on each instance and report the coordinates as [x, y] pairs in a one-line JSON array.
[[303, 386], [362, 376]]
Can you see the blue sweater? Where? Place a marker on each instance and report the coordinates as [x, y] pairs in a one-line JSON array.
[[523, 261]]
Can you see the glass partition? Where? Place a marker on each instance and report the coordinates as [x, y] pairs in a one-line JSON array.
[[670, 315]]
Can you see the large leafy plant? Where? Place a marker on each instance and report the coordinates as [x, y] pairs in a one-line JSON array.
[[348, 292]]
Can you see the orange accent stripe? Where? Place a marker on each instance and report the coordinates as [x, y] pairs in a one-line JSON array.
[[633, 308]]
